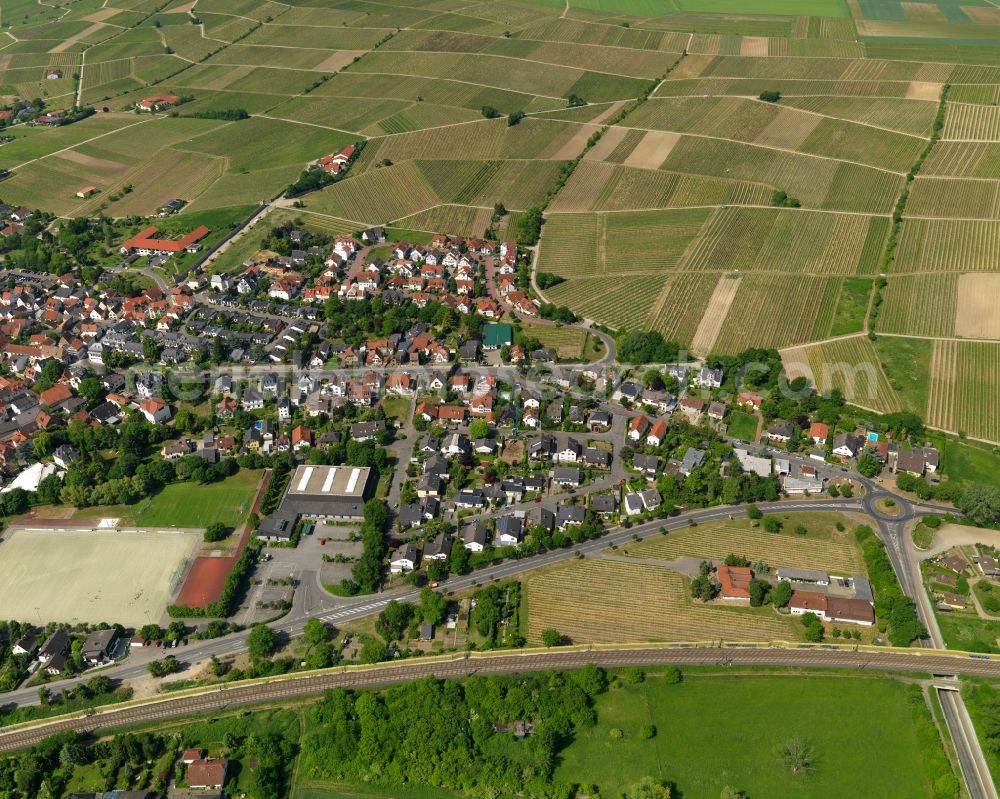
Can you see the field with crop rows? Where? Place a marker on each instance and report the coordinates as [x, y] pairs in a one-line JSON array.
[[964, 393], [937, 245], [777, 310], [852, 367], [681, 303], [648, 241], [485, 139], [752, 239], [567, 341], [964, 160], [570, 245], [952, 198], [611, 601], [376, 197], [817, 182], [774, 125], [172, 173], [516, 184], [597, 186], [455, 220], [922, 305], [965, 121], [905, 116], [613, 300], [821, 547]]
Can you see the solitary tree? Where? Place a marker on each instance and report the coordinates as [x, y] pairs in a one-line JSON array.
[[551, 637], [798, 756], [758, 592]]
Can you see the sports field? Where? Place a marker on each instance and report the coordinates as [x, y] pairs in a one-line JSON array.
[[186, 505], [703, 743], [102, 576]]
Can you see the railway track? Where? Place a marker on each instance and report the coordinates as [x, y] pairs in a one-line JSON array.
[[236, 695]]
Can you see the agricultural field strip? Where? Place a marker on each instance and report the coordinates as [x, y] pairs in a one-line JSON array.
[[466, 82], [778, 149], [266, 115], [85, 141], [715, 206], [519, 59], [800, 111]]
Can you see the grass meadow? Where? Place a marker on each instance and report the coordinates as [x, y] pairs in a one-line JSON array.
[[714, 730]]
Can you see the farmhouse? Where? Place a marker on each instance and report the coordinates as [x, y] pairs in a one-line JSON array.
[[146, 242], [832, 608], [156, 102], [86, 191], [735, 582]]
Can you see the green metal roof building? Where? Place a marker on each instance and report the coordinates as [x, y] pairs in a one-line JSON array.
[[497, 335]]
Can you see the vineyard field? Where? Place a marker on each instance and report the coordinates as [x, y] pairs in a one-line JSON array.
[[922, 305], [965, 388], [852, 367], [933, 245], [376, 197], [951, 198], [753, 239]]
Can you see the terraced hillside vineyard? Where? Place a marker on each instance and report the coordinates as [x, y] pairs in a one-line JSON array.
[[729, 175]]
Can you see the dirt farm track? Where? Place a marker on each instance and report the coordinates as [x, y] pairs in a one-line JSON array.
[[279, 689]]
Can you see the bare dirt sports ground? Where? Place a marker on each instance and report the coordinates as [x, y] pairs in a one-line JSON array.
[[84, 576]]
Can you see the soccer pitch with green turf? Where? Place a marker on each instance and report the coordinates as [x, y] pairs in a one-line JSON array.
[[187, 504], [92, 576]]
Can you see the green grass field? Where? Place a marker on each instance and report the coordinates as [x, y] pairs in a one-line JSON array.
[[714, 730], [742, 425], [852, 306], [187, 505], [967, 461], [965, 631], [906, 362]]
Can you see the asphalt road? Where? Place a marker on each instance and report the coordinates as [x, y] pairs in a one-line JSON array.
[[462, 666], [963, 734]]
